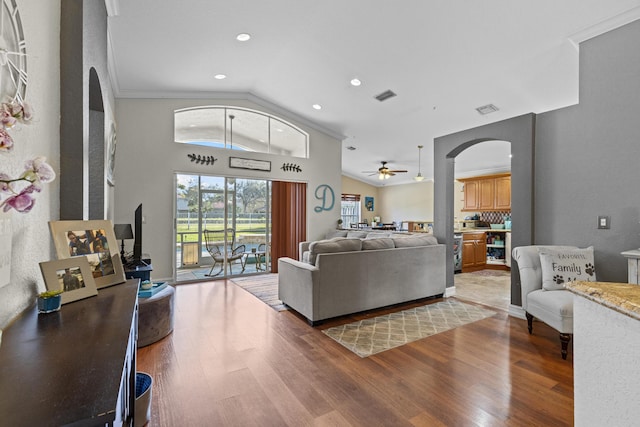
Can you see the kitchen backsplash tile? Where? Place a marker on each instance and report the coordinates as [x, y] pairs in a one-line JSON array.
[[494, 217]]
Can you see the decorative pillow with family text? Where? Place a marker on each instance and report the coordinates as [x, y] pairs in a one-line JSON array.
[[560, 266]]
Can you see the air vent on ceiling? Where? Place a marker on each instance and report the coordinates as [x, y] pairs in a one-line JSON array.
[[487, 109], [385, 95]]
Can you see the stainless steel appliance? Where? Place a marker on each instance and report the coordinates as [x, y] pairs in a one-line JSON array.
[[457, 252]]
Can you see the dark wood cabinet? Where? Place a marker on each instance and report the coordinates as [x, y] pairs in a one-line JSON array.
[[76, 366], [474, 251]]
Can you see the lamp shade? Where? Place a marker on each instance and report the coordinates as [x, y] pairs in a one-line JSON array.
[[123, 231]]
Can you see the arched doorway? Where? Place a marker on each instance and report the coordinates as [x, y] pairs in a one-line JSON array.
[[482, 171], [520, 131]]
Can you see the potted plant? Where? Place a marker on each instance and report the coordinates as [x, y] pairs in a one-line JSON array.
[[340, 223], [49, 301]]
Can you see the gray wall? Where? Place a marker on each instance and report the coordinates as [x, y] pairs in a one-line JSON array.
[[585, 163], [520, 132], [84, 193], [587, 156]]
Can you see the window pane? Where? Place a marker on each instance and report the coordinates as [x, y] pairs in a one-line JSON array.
[[287, 140], [250, 131], [201, 126]]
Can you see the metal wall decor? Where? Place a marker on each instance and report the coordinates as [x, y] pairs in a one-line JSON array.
[[291, 167], [203, 160], [327, 198]]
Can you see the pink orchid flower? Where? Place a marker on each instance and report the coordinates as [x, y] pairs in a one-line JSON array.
[[6, 142], [22, 202]]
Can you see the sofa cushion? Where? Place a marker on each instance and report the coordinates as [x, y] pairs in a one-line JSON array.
[[333, 245], [414, 240], [336, 233], [562, 266], [377, 235], [356, 234], [377, 243]]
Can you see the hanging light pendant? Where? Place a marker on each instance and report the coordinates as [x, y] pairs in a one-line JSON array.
[[419, 177]]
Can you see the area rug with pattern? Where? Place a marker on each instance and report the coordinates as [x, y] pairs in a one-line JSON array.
[[264, 287], [370, 336]]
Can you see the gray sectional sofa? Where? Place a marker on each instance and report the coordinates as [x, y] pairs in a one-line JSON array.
[[345, 275]]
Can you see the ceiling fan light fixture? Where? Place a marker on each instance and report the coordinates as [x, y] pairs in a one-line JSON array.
[[419, 177]]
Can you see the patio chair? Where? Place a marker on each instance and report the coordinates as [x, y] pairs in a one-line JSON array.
[[215, 243]]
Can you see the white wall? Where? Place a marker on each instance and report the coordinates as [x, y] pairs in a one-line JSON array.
[[31, 242], [147, 159], [409, 202]]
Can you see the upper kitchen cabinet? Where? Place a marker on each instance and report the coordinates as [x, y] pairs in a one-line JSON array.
[[487, 193]]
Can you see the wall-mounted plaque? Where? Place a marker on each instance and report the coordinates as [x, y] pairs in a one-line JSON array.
[[239, 163]]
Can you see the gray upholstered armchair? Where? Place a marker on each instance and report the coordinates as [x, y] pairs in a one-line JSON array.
[[555, 308]]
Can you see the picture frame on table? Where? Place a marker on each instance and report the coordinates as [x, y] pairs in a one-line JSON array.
[[96, 241], [72, 275]]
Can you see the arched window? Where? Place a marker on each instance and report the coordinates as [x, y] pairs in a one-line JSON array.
[[239, 129]]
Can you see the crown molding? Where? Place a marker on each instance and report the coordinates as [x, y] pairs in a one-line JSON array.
[[113, 7], [602, 27]]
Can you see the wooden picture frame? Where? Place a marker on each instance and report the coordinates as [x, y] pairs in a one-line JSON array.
[[252, 164], [95, 240], [73, 276]]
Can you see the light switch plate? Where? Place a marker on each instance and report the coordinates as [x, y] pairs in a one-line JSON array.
[[603, 222]]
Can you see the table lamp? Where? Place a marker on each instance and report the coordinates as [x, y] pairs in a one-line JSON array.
[[123, 232]]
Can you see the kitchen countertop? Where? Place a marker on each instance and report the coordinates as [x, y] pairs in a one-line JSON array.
[[621, 297], [476, 230]]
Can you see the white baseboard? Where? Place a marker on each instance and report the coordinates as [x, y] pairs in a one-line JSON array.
[[517, 311], [450, 291]]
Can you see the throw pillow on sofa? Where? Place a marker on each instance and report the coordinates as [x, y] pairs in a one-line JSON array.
[[377, 243], [562, 266], [334, 245]]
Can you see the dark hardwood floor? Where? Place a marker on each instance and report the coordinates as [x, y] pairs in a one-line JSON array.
[[234, 361]]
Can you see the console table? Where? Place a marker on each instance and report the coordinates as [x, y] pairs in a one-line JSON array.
[[633, 257], [74, 366]]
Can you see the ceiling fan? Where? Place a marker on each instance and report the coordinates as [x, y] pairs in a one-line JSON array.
[[384, 172]]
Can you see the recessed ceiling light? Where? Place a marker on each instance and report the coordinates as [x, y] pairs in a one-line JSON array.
[[355, 82], [243, 37], [220, 76], [317, 106]]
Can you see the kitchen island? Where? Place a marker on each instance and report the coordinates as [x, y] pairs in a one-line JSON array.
[[606, 344]]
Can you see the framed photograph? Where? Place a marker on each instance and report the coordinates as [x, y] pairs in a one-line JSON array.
[[368, 203], [73, 276], [94, 240], [239, 163]]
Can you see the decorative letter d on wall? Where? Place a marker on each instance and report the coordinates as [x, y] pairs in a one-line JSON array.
[[325, 194]]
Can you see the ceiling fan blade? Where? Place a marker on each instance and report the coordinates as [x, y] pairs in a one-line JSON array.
[[399, 171]]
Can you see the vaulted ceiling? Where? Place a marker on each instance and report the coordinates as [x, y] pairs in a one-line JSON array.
[[442, 59]]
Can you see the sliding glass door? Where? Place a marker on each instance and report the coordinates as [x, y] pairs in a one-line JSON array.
[[223, 227]]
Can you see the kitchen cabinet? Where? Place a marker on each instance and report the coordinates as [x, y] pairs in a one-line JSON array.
[[474, 251], [502, 195], [496, 248], [471, 193], [487, 193]]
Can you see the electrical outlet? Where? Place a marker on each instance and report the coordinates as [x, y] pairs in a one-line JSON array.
[[603, 222]]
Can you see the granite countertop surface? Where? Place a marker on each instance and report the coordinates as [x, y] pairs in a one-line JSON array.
[[621, 297]]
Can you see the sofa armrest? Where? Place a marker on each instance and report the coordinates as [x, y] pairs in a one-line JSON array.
[[302, 248], [296, 285]]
